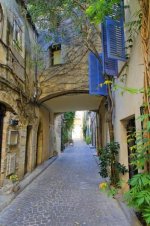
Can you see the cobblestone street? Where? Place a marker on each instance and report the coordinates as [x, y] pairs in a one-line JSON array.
[[65, 194]]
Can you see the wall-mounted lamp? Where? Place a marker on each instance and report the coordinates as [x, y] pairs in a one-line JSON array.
[[13, 122]]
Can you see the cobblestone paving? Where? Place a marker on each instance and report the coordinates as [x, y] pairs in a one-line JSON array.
[[65, 194]]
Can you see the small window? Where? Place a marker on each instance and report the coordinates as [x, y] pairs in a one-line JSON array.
[[17, 34], [1, 20], [13, 137], [1, 13], [55, 55]]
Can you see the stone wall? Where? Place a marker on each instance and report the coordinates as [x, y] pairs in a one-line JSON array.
[[72, 76], [17, 88]]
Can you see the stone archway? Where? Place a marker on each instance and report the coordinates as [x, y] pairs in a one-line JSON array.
[[71, 101]]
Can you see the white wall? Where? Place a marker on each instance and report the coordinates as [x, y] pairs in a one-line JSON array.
[[128, 105]]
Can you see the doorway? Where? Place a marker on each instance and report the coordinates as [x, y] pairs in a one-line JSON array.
[[39, 145], [28, 147], [2, 114], [131, 134]]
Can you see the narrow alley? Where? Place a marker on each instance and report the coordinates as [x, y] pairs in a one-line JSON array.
[[74, 85], [65, 194]]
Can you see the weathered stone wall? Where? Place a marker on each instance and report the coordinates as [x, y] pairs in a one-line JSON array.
[[17, 88], [70, 76], [44, 147]]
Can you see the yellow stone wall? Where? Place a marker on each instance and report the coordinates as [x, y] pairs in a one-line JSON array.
[[17, 88]]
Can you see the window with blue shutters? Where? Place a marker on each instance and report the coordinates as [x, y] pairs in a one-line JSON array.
[[115, 33], [96, 76], [115, 39], [110, 66]]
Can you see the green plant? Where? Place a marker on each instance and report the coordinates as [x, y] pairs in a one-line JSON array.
[[112, 191], [109, 189], [121, 168], [14, 178], [104, 162], [139, 194], [109, 163], [98, 9], [88, 139], [67, 125]]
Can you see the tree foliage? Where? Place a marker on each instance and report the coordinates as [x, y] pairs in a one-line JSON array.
[[67, 126], [98, 9], [49, 14], [69, 119]]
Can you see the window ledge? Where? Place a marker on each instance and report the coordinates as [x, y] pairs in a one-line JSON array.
[[57, 65]]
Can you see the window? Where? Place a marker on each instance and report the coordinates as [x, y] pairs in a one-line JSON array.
[[13, 137], [96, 76], [1, 13], [17, 34], [55, 55], [1, 20]]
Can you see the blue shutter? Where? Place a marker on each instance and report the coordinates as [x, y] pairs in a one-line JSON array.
[[57, 38], [115, 39], [96, 76], [103, 89], [110, 66]]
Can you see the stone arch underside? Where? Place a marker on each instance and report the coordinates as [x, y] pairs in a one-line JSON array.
[[71, 100], [66, 87], [68, 92]]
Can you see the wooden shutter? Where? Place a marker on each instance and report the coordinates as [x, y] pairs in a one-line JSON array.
[[96, 76], [110, 66], [11, 164], [115, 39], [115, 32]]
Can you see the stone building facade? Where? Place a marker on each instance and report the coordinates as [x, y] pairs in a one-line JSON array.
[[31, 105], [30, 125], [21, 120]]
